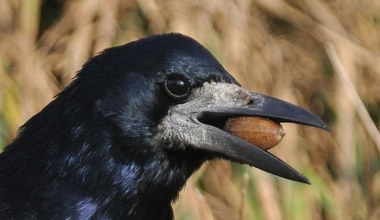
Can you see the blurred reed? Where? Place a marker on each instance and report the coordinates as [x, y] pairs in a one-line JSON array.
[[276, 47]]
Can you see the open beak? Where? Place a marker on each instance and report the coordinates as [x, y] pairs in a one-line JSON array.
[[208, 134]]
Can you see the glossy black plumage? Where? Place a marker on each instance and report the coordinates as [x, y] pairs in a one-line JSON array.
[[93, 152]]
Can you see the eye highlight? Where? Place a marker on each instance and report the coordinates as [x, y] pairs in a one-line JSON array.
[[176, 88]]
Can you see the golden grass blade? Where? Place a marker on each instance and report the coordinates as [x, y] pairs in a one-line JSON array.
[[357, 101]]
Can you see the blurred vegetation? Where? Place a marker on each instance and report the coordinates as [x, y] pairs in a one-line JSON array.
[[297, 50]]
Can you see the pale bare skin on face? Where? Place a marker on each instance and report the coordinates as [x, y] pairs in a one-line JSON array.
[[181, 125]]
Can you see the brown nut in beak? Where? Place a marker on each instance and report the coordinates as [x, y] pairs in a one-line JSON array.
[[262, 132]]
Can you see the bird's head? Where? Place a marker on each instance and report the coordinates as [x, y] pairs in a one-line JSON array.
[[136, 122], [169, 94]]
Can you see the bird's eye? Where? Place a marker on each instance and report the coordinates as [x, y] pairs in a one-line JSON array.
[[177, 88]]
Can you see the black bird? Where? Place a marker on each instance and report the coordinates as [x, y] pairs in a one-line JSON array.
[[122, 139]]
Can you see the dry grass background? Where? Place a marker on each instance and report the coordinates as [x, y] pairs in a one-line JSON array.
[[321, 54]]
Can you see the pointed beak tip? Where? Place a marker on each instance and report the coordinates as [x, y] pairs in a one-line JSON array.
[[326, 127], [322, 125], [305, 180]]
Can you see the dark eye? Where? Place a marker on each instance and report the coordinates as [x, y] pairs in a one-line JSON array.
[[177, 88]]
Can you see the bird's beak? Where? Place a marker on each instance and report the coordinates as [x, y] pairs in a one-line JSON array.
[[208, 134], [267, 107]]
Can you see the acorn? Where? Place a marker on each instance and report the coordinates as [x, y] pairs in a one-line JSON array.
[[261, 132]]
